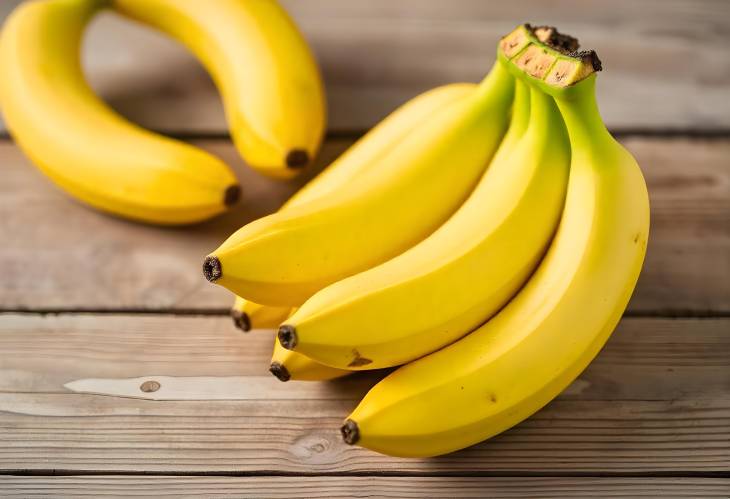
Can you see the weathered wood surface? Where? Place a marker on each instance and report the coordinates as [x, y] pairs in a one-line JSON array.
[[386, 487], [666, 61], [59, 255], [654, 400]]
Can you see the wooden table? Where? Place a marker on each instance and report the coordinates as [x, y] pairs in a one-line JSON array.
[[93, 307]]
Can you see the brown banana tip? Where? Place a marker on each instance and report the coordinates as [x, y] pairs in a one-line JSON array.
[[288, 336], [297, 158], [279, 371], [350, 432], [241, 320], [212, 269], [589, 56], [232, 194]]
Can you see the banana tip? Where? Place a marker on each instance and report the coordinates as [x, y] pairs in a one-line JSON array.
[[279, 371], [212, 268], [241, 320], [297, 158], [232, 194], [350, 432], [288, 336]]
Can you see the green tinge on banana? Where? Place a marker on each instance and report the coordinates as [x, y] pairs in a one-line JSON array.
[[544, 338]]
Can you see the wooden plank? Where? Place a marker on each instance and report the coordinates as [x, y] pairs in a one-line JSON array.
[[56, 254], [656, 399], [665, 61], [386, 487]]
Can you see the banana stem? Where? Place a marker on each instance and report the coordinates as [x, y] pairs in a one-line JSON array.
[[498, 87], [588, 134]]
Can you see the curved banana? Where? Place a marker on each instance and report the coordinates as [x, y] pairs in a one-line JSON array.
[[460, 275], [248, 315], [84, 146], [287, 365], [540, 342], [268, 79], [351, 163], [405, 195]]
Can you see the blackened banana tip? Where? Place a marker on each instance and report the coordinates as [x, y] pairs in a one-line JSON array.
[[212, 269], [232, 194], [287, 336], [297, 158], [241, 320], [279, 371], [350, 432]]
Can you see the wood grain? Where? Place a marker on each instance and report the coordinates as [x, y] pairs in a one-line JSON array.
[[665, 61], [58, 255], [656, 399], [385, 487]]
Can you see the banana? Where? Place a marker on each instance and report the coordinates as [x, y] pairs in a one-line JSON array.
[[403, 196], [458, 277], [248, 315], [540, 342], [84, 146], [351, 163], [287, 365], [268, 78]]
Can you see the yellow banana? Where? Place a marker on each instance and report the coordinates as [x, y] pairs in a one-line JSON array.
[[541, 341], [455, 279], [84, 146], [351, 163], [267, 76], [403, 196], [287, 365], [248, 315]]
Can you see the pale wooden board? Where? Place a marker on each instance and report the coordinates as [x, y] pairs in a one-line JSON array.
[[57, 254], [666, 62], [386, 487], [656, 399]]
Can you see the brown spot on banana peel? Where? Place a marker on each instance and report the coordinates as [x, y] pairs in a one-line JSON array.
[[359, 360]]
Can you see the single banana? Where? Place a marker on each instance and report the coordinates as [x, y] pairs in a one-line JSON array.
[[543, 339], [287, 365], [248, 315], [268, 78], [458, 277], [380, 139], [84, 146], [405, 195]]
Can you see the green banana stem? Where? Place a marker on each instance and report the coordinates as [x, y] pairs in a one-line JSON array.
[[588, 134], [498, 87], [520, 110], [544, 114]]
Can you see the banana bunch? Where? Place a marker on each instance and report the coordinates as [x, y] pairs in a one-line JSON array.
[[270, 85], [485, 238]]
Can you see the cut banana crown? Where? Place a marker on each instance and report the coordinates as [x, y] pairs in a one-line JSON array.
[[547, 57]]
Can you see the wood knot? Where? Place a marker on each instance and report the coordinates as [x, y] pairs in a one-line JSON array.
[[150, 386]]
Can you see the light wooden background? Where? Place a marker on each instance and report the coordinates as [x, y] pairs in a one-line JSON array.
[[93, 306]]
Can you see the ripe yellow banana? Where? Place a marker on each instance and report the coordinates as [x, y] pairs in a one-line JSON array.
[[287, 365], [380, 139], [267, 76], [84, 146], [455, 279], [248, 315], [403, 196], [541, 341]]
